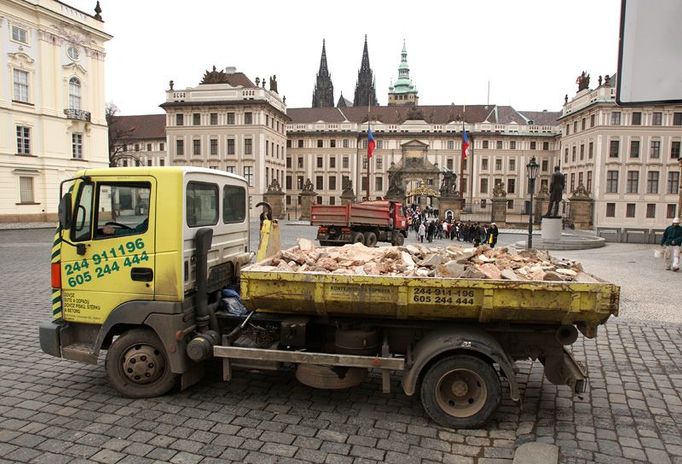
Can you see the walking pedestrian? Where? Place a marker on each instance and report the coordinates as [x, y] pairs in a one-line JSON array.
[[493, 233], [671, 241], [421, 232]]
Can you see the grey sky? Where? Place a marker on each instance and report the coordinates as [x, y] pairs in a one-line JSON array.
[[530, 50]]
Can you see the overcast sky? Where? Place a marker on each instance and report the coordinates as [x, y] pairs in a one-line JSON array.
[[531, 51]]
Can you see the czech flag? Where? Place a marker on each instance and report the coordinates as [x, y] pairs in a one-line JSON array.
[[465, 144], [371, 142]]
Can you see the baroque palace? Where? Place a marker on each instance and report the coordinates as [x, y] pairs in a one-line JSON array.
[[625, 160], [51, 103]]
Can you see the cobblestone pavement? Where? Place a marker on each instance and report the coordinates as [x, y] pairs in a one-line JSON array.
[[54, 411]]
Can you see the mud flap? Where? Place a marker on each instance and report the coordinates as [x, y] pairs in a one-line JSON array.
[[561, 368]]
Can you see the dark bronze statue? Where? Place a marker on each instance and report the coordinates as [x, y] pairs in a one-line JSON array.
[[556, 192]]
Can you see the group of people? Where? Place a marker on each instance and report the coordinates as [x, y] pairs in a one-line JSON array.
[[428, 227], [671, 242]]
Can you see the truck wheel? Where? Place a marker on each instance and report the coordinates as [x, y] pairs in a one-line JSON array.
[[461, 391], [137, 365], [370, 239], [357, 237], [398, 239]]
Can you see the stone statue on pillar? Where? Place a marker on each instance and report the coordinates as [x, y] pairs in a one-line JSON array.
[[556, 192]]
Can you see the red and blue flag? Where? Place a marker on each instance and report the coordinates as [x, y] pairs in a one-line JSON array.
[[465, 144], [371, 143]]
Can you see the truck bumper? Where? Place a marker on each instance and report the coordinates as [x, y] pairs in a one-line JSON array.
[[49, 338]]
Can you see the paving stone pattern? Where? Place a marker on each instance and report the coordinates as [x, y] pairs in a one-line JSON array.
[[55, 411]]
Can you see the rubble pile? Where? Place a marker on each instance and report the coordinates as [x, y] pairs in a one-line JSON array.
[[417, 260]]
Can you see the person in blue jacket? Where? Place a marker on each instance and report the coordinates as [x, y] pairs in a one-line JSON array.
[[671, 241]]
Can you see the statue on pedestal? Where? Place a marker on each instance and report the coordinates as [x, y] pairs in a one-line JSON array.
[[556, 192]]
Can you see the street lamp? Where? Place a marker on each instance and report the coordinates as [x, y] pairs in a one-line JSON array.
[[532, 172]]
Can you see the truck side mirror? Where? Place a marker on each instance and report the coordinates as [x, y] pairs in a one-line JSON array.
[[65, 212]]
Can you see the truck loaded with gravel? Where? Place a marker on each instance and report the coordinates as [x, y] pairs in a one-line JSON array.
[[152, 265]]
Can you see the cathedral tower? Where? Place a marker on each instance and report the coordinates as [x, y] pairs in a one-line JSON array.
[[403, 91], [323, 95], [365, 94]]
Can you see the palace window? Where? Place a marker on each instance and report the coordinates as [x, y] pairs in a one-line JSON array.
[[610, 210], [179, 119], [614, 147], [23, 140], [634, 149], [230, 118], [230, 147], [77, 146], [611, 181], [615, 118], [196, 147], [248, 175], [26, 190], [19, 34], [637, 118], [196, 119], [248, 146], [673, 182], [213, 119], [630, 210], [20, 86], [675, 150], [651, 210], [180, 147], [632, 185], [655, 151], [248, 117], [74, 94], [652, 182], [656, 118]]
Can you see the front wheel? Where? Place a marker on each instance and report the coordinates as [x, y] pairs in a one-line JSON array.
[[461, 391], [137, 365]]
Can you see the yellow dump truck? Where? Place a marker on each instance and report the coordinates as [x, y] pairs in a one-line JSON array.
[[143, 256]]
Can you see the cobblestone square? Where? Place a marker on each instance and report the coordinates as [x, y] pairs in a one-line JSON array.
[[54, 411]]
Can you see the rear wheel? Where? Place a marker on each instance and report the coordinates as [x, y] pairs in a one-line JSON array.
[[357, 237], [398, 239], [137, 365], [461, 391], [370, 239]]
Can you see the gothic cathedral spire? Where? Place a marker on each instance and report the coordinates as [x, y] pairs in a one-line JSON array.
[[365, 94], [323, 95]]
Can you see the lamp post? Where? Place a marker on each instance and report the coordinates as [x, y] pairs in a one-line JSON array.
[[532, 172]]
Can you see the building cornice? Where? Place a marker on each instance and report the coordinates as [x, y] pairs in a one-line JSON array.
[[257, 103]]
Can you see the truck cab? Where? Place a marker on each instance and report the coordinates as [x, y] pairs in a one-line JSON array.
[[125, 261]]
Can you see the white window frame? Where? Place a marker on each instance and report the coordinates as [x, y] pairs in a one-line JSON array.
[[74, 94], [17, 37], [77, 145], [22, 89], [23, 140], [26, 195]]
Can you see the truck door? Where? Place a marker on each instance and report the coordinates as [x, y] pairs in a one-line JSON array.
[[114, 225]]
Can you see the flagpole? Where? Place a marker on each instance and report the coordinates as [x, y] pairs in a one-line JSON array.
[[461, 165], [369, 161]]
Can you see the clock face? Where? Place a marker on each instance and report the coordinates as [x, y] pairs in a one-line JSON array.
[[73, 52]]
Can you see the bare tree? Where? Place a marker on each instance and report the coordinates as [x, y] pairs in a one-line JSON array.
[[118, 133]]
